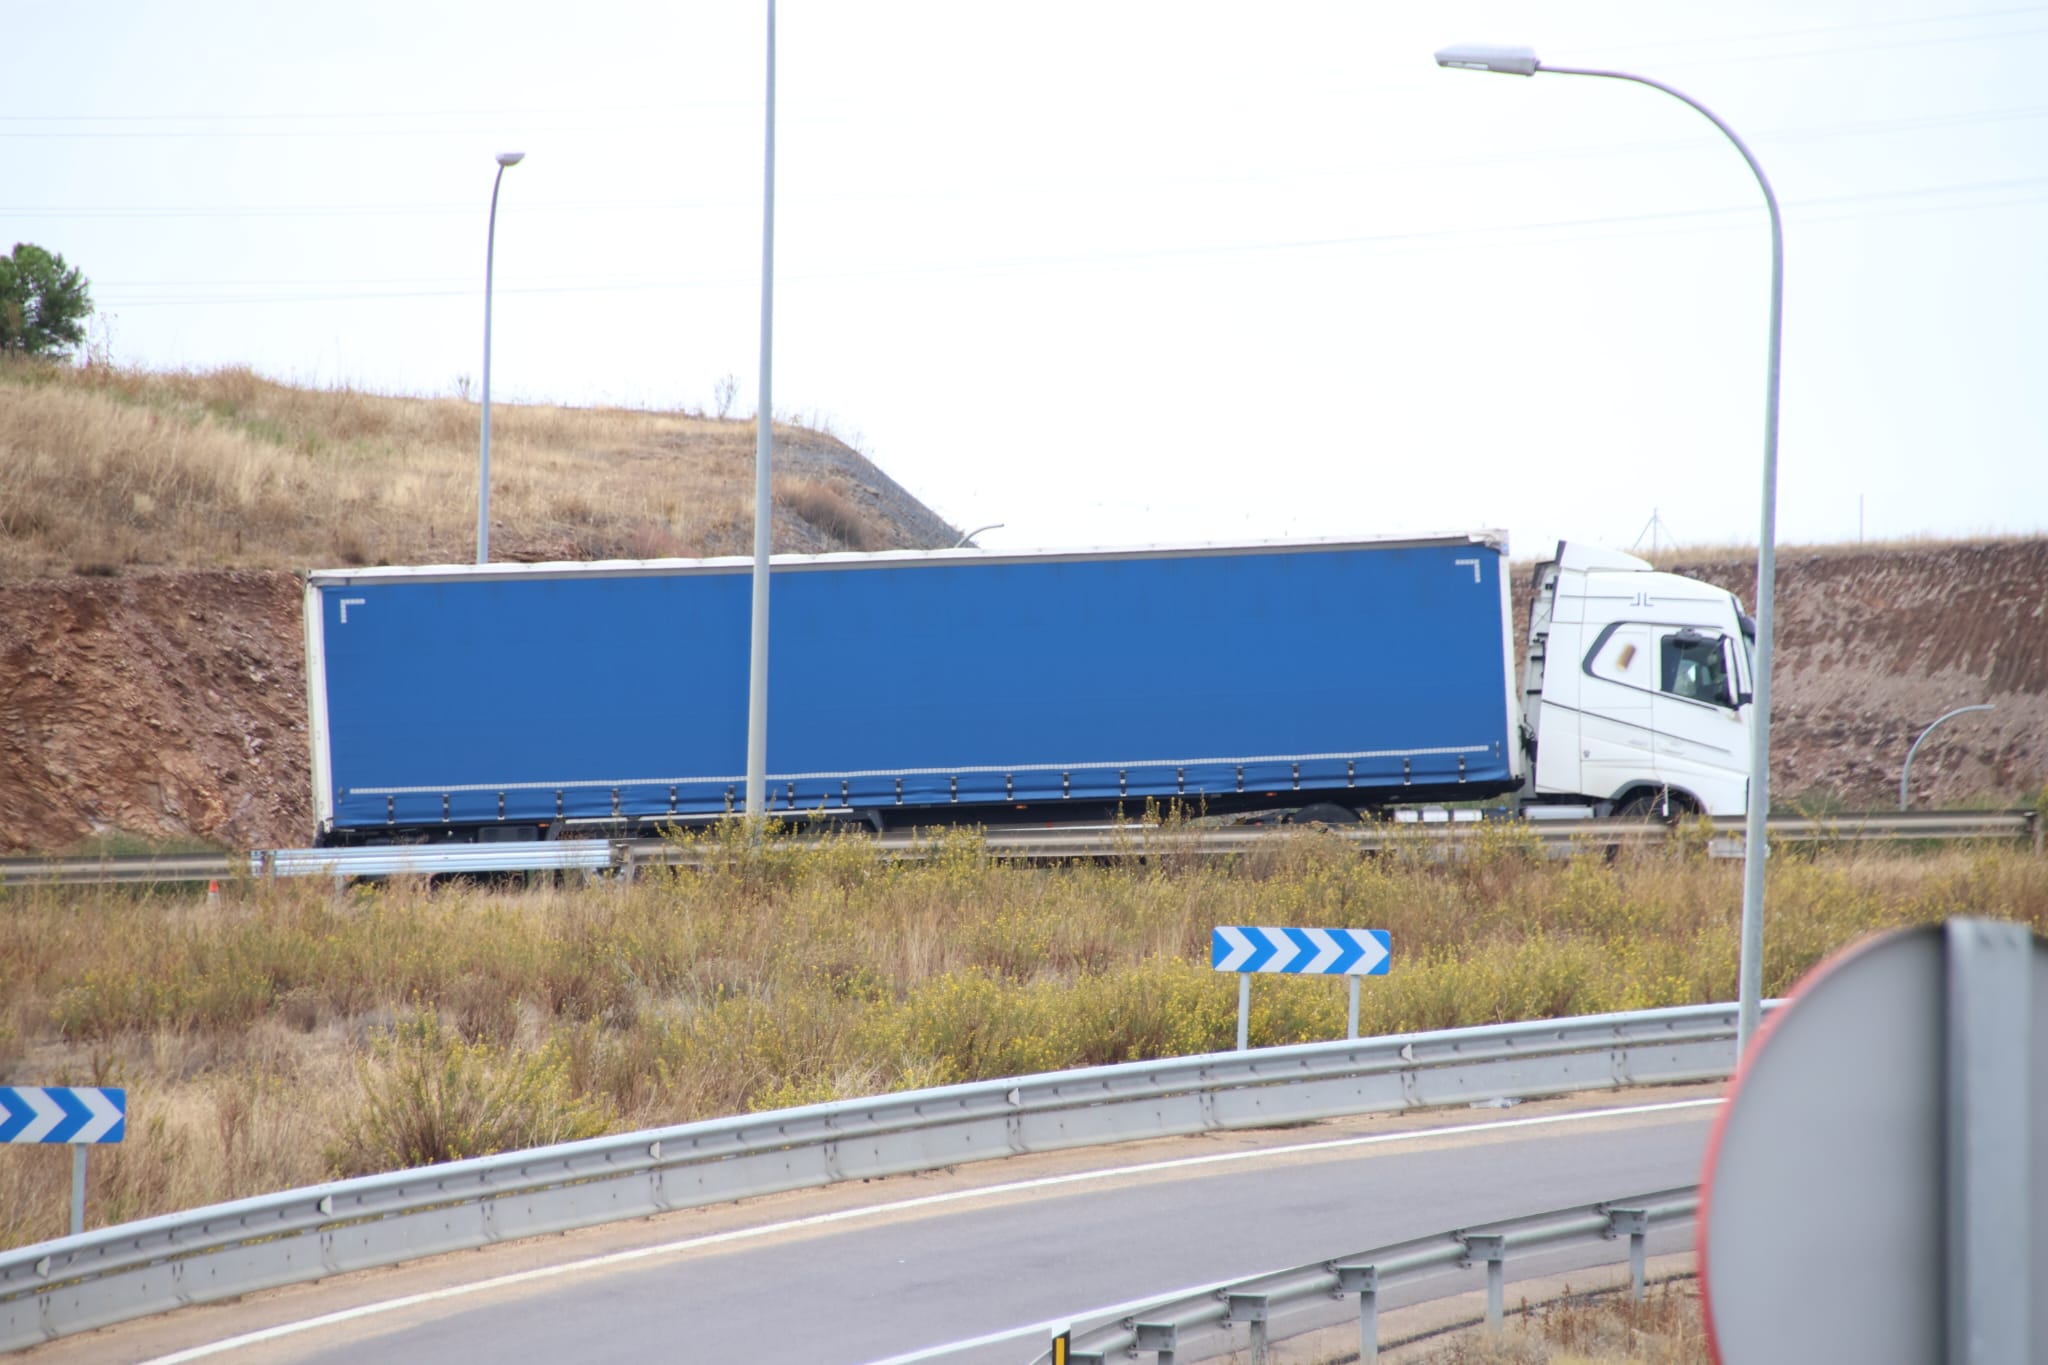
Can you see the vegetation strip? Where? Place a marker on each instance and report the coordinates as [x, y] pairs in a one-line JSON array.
[[294, 1032]]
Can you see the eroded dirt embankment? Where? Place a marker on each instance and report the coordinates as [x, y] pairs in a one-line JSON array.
[[1874, 646], [173, 705], [169, 705]]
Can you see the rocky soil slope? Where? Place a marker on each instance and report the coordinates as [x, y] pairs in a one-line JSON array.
[[1874, 646], [172, 705]]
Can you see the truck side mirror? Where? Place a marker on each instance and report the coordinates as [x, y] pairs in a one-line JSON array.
[[1732, 679]]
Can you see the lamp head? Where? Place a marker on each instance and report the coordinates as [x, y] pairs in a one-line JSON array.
[[1508, 61], [511, 158]]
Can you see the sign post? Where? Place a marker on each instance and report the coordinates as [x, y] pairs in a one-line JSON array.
[[79, 1115], [1297, 952]]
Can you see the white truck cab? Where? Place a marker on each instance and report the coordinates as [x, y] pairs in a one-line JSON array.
[[1637, 689]]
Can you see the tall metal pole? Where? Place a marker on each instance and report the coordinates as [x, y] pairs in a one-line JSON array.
[[1749, 968], [1906, 772], [764, 440], [1749, 971], [483, 469]]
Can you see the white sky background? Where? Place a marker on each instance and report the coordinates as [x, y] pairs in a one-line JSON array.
[[1116, 272]]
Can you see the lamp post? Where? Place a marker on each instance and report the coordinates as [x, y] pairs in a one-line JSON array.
[[1522, 61], [962, 542], [1906, 772], [764, 444], [483, 470]]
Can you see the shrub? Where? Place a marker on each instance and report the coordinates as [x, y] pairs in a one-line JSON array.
[[428, 1095]]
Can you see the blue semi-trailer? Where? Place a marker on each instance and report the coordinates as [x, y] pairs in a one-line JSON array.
[[516, 701]]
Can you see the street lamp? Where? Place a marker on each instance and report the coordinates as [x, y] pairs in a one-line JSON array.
[[1522, 61], [483, 473], [764, 447], [1906, 772], [962, 542]]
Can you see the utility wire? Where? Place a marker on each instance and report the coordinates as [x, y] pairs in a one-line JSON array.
[[1032, 192], [747, 107], [1826, 209]]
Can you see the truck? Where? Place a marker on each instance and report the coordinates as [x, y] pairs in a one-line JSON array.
[[1331, 678]]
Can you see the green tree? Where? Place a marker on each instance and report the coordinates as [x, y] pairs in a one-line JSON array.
[[43, 302]]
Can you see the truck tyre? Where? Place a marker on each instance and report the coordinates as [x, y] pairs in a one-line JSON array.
[[1325, 813], [1641, 806], [1665, 807]]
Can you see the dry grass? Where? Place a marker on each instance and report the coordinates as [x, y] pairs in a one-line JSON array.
[[827, 507], [1677, 558], [1605, 1329], [259, 1037], [1682, 558], [103, 469]]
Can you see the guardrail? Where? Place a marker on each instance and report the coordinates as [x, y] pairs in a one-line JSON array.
[[393, 860], [143, 868], [1234, 841], [69, 1285], [1199, 1323], [1077, 844]]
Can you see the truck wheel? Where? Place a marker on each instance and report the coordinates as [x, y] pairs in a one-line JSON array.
[[1645, 807], [1325, 813], [1641, 806], [1665, 807]]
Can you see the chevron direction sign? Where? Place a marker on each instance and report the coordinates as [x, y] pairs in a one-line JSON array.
[[53, 1113], [1310, 952]]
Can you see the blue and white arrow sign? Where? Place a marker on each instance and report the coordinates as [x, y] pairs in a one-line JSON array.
[[54, 1113], [1313, 952]]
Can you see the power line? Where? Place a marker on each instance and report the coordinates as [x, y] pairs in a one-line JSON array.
[[1841, 50], [1692, 42], [749, 106], [273, 116], [1911, 123], [1825, 209]]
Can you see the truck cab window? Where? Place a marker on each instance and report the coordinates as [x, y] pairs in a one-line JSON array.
[[1622, 655], [1695, 667]]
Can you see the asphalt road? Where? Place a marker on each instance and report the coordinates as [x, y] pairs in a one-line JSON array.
[[896, 1269]]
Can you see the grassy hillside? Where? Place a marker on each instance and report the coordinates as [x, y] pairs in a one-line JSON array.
[[105, 470]]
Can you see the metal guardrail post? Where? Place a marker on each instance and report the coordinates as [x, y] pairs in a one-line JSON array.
[[1635, 1223], [1251, 1308], [1163, 1337], [1364, 1281], [1491, 1248]]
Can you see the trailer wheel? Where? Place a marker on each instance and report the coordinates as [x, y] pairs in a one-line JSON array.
[[1325, 813]]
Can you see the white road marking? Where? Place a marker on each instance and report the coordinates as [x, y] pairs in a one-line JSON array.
[[615, 1258]]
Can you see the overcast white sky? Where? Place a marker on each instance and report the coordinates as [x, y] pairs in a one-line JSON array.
[[1116, 272]]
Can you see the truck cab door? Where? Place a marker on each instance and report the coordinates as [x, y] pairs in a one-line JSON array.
[[1617, 734], [1702, 742]]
